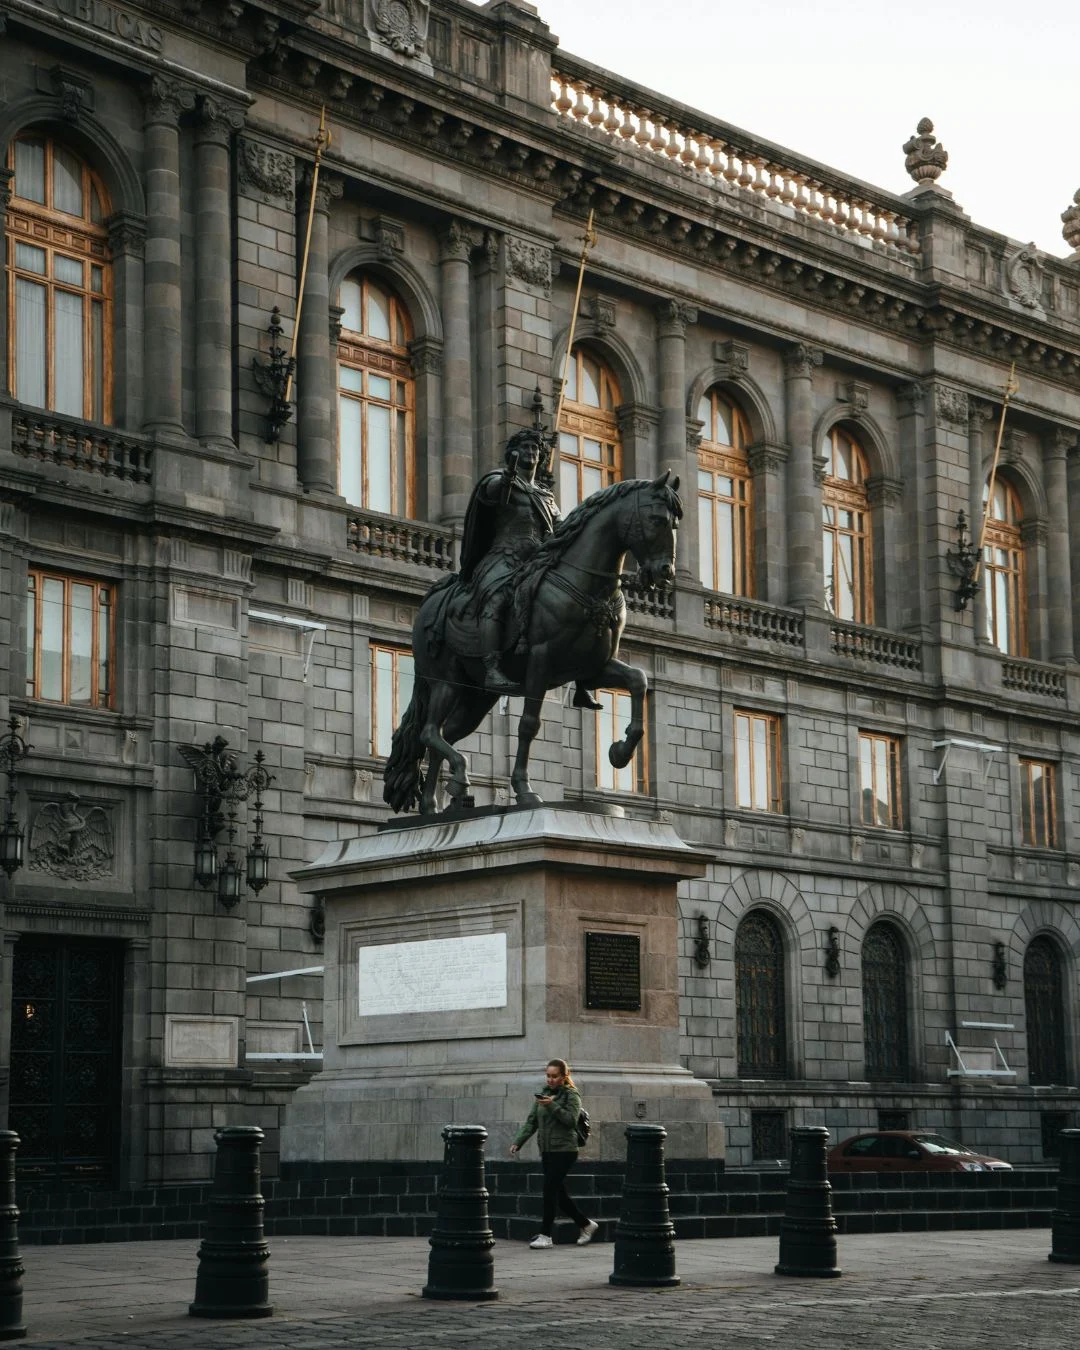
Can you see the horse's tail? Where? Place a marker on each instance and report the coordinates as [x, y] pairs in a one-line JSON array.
[[402, 780]]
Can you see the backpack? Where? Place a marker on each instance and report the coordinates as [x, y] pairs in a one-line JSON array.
[[582, 1128]]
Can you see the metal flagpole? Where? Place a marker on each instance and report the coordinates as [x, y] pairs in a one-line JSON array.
[[322, 141], [1012, 386], [587, 243]]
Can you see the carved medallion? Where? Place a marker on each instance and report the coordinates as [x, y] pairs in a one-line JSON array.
[[1024, 276], [402, 24], [266, 173], [72, 841], [530, 263], [952, 405]]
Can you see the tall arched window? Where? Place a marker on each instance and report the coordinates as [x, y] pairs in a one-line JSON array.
[[1003, 571], [376, 397], [725, 508], [59, 281], [1044, 1004], [884, 977], [590, 452], [760, 1014], [849, 587]]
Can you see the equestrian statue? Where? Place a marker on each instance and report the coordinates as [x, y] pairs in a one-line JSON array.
[[537, 604]]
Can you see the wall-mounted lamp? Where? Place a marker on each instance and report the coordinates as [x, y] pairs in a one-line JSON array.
[[702, 954], [963, 561], [274, 377], [832, 953], [1001, 973], [13, 750], [223, 785]]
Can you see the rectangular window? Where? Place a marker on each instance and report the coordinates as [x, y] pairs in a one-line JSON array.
[[1038, 803], [879, 781], [70, 640], [757, 761], [391, 691], [611, 723]]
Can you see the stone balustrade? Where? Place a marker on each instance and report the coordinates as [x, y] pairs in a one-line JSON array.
[[751, 619], [717, 154], [70, 443], [876, 645], [1033, 677], [402, 541], [648, 601]]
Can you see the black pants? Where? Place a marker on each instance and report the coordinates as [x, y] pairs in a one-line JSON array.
[[556, 1166]]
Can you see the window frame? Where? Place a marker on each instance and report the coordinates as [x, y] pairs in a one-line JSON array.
[[774, 766], [1005, 535], [894, 774], [392, 361], [1028, 792], [717, 459], [581, 421], [605, 720], [850, 495], [78, 238], [36, 577], [395, 653]]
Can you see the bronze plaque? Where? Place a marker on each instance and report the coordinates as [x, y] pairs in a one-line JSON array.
[[613, 971]]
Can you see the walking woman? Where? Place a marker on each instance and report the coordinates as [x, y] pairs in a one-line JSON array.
[[553, 1119]]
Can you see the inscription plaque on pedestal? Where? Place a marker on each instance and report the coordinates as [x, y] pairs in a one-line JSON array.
[[613, 971]]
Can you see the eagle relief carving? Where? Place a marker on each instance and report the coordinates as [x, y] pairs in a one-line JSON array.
[[72, 841], [402, 24]]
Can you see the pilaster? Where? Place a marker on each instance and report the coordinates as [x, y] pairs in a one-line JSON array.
[[316, 458], [806, 576]]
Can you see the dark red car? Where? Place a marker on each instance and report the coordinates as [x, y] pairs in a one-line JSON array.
[[909, 1151]]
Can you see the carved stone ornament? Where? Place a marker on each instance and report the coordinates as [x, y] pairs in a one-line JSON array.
[[71, 841], [389, 236], [266, 174], [855, 394], [800, 359], [952, 405], [733, 355], [165, 99], [402, 24], [1070, 223], [926, 158], [1023, 276], [528, 262], [601, 309]]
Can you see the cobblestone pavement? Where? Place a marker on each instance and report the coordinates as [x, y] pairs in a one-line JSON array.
[[929, 1290]]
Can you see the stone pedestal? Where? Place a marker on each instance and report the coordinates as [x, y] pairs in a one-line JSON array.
[[456, 968]]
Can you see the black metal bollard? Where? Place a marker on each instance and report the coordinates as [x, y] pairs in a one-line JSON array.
[[1065, 1221], [808, 1230], [12, 1327], [234, 1260], [461, 1264], [645, 1235]]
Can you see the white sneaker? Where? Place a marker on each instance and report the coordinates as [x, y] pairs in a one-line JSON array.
[[587, 1232], [541, 1240]]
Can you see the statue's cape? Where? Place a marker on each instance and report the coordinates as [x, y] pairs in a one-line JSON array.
[[481, 516]]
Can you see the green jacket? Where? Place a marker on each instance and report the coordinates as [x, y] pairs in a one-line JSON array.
[[554, 1125]]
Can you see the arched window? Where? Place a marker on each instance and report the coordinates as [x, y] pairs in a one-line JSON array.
[[376, 397], [59, 281], [725, 509], [759, 997], [1003, 571], [884, 977], [1044, 1004], [849, 588], [590, 453]]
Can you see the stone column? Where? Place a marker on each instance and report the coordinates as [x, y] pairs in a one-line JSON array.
[[458, 458], [6, 175], [672, 318], [979, 414], [163, 361], [1073, 476], [213, 271], [316, 457], [1058, 568], [806, 577]]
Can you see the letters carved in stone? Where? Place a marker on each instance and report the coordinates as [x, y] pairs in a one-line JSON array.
[[530, 263], [71, 841], [266, 173]]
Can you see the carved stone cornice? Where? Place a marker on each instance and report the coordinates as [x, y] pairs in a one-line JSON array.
[[166, 100], [528, 262], [673, 317], [216, 121], [767, 457], [884, 491], [456, 242], [265, 173], [127, 234], [800, 360], [951, 406]]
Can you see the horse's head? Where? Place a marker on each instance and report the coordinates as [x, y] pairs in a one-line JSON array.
[[657, 511]]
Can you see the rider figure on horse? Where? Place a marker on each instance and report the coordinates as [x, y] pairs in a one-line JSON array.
[[510, 513]]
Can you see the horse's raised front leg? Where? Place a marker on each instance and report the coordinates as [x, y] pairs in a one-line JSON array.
[[528, 726], [440, 705], [619, 675]]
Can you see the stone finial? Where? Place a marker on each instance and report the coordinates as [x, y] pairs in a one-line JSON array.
[[1070, 218], [926, 158]]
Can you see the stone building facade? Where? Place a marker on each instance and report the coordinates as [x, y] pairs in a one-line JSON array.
[[889, 784]]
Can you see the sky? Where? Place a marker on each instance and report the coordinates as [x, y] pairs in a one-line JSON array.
[[846, 82]]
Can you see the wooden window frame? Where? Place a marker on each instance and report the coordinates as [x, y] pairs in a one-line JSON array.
[[391, 361], [36, 577], [894, 779], [1006, 535], [639, 765], [56, 232], [774, 779], [581, 422], [849, 494], [395, 653], [729, 461], [1028, 791]]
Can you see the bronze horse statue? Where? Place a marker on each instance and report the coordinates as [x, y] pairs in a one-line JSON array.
[[568, 617]]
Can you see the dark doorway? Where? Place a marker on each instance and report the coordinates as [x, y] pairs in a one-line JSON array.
[[759, 997], [884, 973], [1044, 1004], [66, 1014]]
